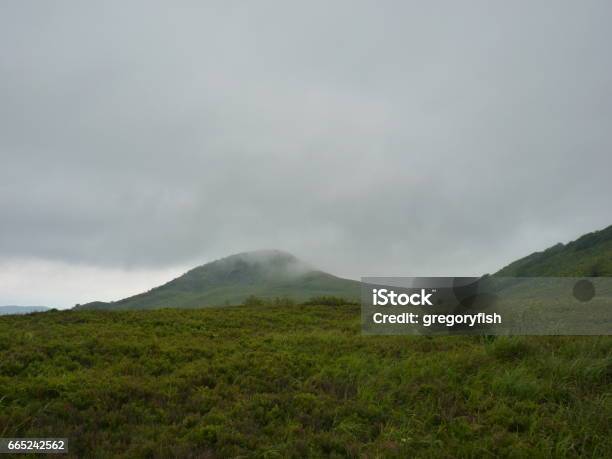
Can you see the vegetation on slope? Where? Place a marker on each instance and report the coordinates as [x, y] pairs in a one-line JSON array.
[[296, 381], [266, 274], [270, 274], [588, 256]]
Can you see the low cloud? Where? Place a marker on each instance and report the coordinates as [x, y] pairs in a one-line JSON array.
[[367, 139]]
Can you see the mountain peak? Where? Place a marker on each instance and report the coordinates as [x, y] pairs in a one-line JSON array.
[[262, 256], [256, 265], [267, 273]]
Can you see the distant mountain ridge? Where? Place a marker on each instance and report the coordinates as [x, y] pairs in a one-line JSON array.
[[6, 310], [230, 280], [274, 273], [588, 256]]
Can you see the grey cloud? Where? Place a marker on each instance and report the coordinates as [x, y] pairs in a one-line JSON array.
[[370, 138]]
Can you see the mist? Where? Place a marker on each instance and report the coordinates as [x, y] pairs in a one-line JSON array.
[[141, 139]]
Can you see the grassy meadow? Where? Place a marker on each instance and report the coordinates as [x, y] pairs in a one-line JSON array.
[[296, 381]]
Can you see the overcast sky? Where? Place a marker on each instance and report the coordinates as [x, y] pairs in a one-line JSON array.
[[139, 139]]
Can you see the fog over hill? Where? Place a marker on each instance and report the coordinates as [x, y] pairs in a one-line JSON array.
[[230, 280], [274, 273]]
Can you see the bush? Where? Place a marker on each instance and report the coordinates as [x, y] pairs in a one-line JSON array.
[[253, 300], [329, 301], [283, 301]]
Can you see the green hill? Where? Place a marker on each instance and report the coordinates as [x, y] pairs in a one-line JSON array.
[[265, 273], [588, 256], [271, 274]]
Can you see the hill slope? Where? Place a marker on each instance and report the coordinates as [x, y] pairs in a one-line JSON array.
[[5, 310], [230, 280], [589, 256], [272, 273]]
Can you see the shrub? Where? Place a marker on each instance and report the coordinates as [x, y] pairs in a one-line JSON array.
[[253, 300], [329, 301]]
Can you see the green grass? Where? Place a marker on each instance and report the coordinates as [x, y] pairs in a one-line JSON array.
[[296, 381]]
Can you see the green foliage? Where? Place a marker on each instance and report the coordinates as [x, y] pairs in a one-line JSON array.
[[283, 301], [267, 275], [588, 256], [330, 301], [253, 300], [296, 381]]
